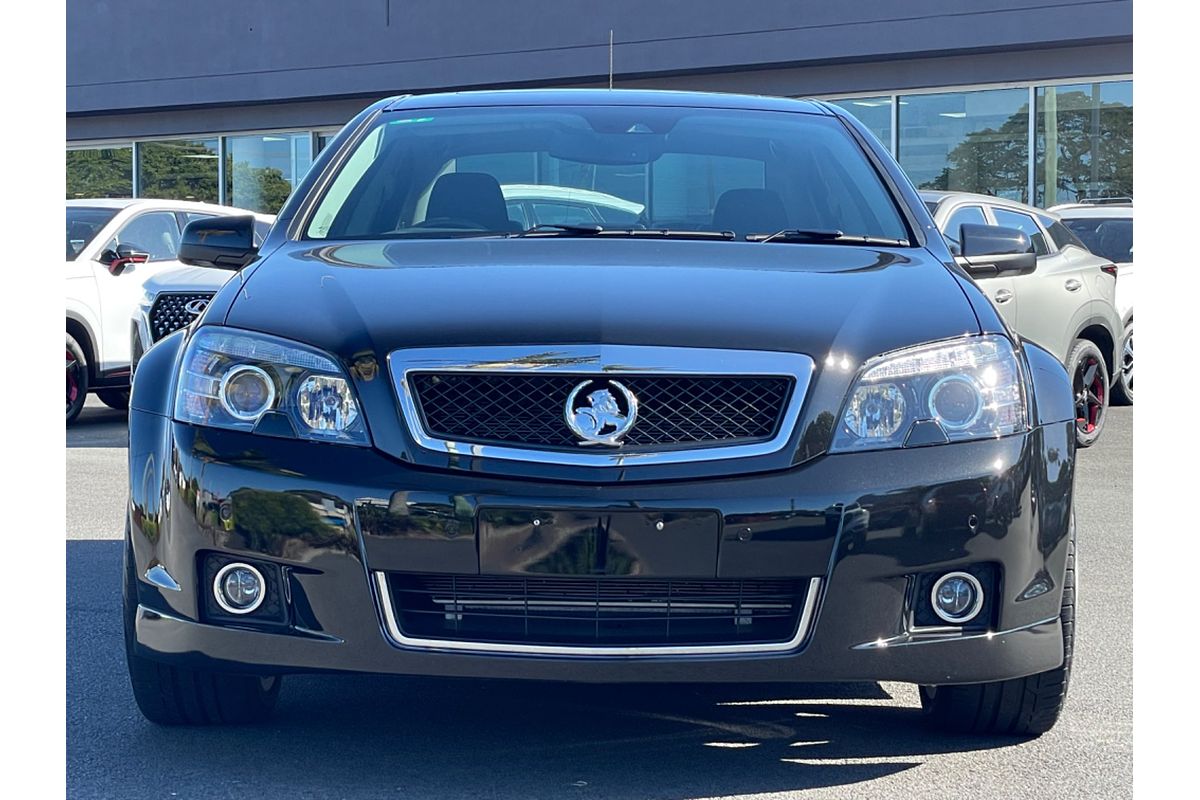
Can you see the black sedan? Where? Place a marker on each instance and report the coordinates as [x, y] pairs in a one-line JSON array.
[[769, 431]]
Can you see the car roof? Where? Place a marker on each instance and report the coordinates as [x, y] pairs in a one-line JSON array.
[[149, 202], [940, 197], [1091, 210], [603, 97]]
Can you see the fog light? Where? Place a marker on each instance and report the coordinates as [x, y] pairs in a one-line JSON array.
[[239, 588], [957, 597]]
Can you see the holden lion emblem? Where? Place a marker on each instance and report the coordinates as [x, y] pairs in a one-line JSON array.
[[601, 412]]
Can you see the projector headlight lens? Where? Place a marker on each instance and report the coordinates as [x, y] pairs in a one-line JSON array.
[[972, 388]]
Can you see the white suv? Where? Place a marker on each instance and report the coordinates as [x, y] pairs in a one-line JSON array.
[[113, 246]]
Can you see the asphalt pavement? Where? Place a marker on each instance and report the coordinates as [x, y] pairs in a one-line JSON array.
[[368, 737]]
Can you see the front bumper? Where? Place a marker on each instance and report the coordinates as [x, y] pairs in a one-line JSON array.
[[860, 528]]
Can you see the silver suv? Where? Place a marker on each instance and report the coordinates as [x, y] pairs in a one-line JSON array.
[[1067, 304]]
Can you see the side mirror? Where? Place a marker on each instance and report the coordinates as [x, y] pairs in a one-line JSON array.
[[124, 256], [990, 251], [219, 243]]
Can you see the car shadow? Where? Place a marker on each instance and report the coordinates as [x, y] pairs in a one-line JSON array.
[[366, 736], [98, 426]]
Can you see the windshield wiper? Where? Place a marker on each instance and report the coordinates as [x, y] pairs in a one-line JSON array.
[[549, 229], [823, 237], [563, 229]]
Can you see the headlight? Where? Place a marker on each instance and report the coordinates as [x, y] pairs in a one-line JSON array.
[[972, 388], [232, 379]]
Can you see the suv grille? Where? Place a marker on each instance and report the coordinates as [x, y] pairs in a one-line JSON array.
[[168, 315], [596, 611], [528, 409]]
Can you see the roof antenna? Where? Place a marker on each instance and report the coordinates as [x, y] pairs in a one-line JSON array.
[[610, 57]]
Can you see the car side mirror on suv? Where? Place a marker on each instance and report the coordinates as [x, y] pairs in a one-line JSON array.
[[989, 251], [118, 260], [219, 242]]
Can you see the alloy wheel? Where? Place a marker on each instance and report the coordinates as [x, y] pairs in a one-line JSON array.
[[72, 379], [1127, 362], [1090, 392]]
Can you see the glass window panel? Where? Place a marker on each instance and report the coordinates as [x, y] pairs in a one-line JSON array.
[[874, 112], [967, 141], [972, 215], [182, 169], [686, 187], [100, 172], [1110, 238], [1022, 222], [155, 232], [261, 170], [1084, 142]]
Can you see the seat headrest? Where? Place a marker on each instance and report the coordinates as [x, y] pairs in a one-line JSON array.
[[746, 211], [471, 196]]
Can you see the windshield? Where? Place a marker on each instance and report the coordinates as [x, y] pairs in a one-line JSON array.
[[1107, 237], [503, 170], [83, 224]]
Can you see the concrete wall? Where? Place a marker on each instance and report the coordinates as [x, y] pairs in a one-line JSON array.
[[151, 67]]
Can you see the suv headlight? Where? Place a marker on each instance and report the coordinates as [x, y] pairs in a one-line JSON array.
[[232, 379], [972, 388]]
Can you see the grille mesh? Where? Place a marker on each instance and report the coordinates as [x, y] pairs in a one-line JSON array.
[[596, 611], [529, 409], [167, 315]]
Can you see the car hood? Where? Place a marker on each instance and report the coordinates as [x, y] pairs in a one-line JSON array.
[[840, 305], [380, 296], [188, 279]]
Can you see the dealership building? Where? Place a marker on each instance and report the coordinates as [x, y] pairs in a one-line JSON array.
[[229, 101]]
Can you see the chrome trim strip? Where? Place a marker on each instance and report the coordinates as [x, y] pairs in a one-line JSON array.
[[606, 359], [159, 576], [941, 635], [397, 636]]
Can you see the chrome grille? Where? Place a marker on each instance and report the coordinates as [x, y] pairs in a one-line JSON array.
[[582, 611], [528, 409], [509, 401], [168, 314]]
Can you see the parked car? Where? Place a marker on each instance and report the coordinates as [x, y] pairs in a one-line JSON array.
[[1107, 230], [1066, 304], [795, 443], [174, 298], [113, 246], [546, 204]]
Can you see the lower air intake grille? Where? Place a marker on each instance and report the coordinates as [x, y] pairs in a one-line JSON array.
[[596, 611]]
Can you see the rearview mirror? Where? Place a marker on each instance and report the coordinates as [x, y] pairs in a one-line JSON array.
[[125, 255], [989, 251], [219, 242]]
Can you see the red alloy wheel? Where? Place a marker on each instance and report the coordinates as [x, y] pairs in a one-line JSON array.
[[72, 380], [1089, 394]]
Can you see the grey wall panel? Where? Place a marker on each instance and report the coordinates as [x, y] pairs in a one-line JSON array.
[[136, 55], [828, 80]]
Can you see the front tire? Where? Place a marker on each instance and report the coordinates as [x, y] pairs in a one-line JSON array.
[[1089, 381], [170, 695], [1020, 707], [1122, 390], [117, 399], [77, 379]]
